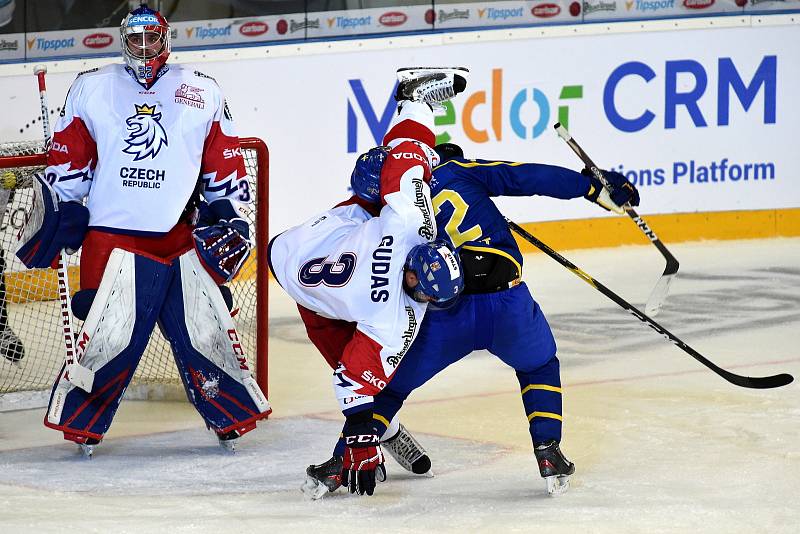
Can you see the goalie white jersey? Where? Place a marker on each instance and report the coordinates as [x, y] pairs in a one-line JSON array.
[[137, 153]]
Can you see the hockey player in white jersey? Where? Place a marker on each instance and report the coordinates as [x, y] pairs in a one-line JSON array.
[[363, 273], [137, 142]]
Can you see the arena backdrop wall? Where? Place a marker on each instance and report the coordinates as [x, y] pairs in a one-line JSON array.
[[703, 118]]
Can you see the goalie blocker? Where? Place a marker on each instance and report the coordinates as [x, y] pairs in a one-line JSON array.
[[137, 291]]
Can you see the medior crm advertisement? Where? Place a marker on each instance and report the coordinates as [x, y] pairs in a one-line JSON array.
[[700, 120]]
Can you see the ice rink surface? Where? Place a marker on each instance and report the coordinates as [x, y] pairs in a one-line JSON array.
[[660, 443]]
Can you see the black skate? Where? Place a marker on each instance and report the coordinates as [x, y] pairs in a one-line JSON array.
[[323, 478], [11, 346], [431, 85], [408, 452], [554, 467]]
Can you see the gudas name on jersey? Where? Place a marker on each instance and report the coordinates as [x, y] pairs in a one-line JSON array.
[[381, 263]]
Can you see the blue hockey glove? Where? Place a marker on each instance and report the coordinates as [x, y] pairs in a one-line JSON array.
[[619, 192], [223, 248], [362, 454], [51, 226]]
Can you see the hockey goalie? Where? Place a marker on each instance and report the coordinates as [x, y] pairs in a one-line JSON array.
[[140, 143]]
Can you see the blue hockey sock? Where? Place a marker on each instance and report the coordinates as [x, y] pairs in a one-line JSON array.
[[541, 397]]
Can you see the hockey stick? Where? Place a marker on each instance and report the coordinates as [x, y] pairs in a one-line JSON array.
[[75, 372], [757, 382], [659, 292]]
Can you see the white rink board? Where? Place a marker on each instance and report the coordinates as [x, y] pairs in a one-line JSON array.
[[299, 104]]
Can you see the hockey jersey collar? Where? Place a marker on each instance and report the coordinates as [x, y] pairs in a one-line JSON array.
[[161, 71]]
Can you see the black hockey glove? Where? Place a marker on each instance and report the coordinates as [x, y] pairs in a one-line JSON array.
[[362, 454], [619, 192]]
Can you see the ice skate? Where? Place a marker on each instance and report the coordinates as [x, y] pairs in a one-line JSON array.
[[408, 452], [431, 85], [323, 478], [228, 441], [554, 467], [11, 346], [88, 446]]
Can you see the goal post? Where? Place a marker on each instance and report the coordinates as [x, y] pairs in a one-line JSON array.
[[29, 305]]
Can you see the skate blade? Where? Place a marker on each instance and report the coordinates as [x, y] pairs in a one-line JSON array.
[[87, 451], [557, 485], [409, 73], [380, 473], [228, 445], [313, 489]]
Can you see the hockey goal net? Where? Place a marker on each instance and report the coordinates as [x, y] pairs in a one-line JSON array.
[[31, 343]]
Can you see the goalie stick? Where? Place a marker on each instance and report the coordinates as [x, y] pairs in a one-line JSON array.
[[659, 293], [755, 382], [75, 372]]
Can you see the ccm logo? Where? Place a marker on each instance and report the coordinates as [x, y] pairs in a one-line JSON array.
[[97, 40], [373, 380], [229, 153], [393, 18], [253, 28], [409, 155]]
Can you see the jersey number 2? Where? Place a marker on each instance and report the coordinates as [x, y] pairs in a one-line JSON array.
[[331, 273], [460, 208]]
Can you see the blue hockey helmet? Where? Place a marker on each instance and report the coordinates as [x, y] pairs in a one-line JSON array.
[[438, 270], [366, 177]]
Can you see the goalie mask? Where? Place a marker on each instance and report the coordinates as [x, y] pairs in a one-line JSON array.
[[437, 268], [145, 38]]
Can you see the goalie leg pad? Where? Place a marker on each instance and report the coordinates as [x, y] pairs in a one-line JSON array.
[[207, 350], [111, 342]]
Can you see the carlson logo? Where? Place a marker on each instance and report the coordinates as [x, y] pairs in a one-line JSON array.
[[253, 28], [97, 40], [545, 11], [393, 18], [697, 4]]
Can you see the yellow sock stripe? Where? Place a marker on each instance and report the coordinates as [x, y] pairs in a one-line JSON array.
[[541, 386], [549, 415], [382, 419]]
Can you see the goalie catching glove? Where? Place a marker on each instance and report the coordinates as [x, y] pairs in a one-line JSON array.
[[612, 198], [222, 240], [362, 454]]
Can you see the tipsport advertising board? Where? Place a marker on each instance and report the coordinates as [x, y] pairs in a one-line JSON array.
[[647, 9]]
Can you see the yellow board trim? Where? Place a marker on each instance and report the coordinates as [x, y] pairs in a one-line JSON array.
[[495, 251], [540, 386], [549, 415], [671, 228], [382, 419]]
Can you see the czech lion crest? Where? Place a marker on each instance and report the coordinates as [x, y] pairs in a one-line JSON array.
[[146, 135]]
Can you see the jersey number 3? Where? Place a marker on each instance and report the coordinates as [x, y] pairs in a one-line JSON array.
[[331, 273]]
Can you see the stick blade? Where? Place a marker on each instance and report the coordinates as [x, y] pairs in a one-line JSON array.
[[81, 376], [658, 295], [758, 382]]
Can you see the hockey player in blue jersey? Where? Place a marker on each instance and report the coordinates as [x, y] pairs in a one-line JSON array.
[[496, 311]]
